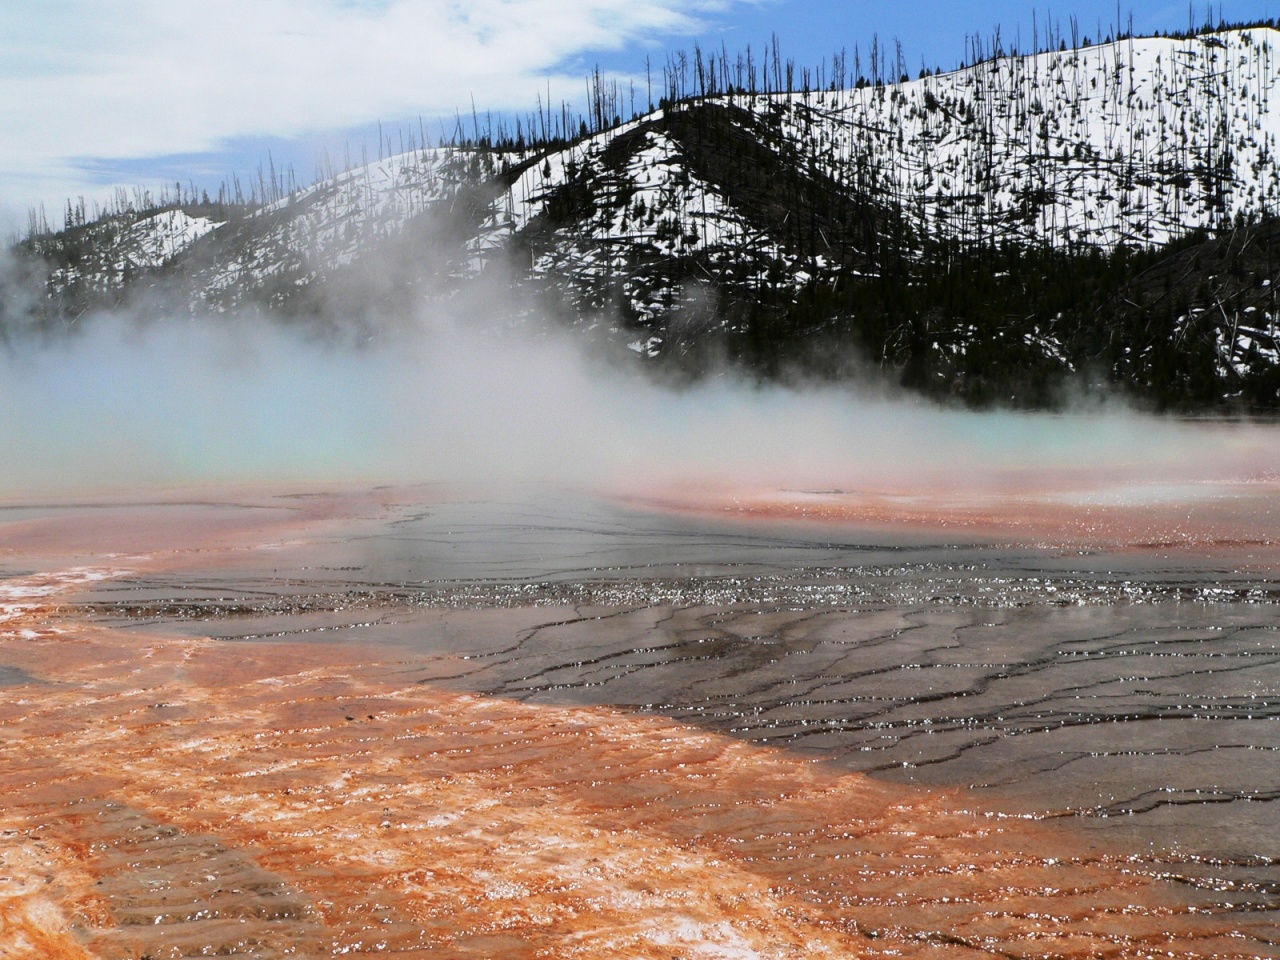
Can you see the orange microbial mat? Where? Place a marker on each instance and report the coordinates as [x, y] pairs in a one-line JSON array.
[[317, 723]]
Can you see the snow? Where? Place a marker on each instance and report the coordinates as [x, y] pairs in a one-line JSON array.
[[1133, 142], [1109, 144], [121, 248], [156, 240], [1104, 145]]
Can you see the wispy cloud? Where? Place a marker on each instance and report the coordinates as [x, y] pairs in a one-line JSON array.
[[85, 80]]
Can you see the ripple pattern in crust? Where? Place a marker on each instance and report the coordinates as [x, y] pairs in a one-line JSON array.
[[172, 797]]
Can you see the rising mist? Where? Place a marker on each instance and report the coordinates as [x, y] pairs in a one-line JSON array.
[[453, 390]]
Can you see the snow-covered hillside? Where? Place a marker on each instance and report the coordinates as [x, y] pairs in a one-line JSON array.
[[1134, 142], [762, 196], [119, 250]]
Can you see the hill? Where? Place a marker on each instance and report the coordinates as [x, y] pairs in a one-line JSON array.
[[1088, 215]]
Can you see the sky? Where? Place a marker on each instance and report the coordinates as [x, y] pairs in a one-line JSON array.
[[102, 95]]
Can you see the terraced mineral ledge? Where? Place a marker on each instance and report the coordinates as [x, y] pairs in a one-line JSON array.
[[407, 722]]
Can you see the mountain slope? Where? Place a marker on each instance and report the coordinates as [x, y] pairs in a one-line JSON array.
[[975, 231]]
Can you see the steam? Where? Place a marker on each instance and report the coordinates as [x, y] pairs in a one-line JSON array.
[[446, 393], [124, 404]]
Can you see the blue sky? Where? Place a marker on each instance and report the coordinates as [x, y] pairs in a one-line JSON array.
[[96, 96]]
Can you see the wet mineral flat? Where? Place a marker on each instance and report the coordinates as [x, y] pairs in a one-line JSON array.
[[543, 724]]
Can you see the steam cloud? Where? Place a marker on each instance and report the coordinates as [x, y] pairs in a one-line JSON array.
[[449, 396]]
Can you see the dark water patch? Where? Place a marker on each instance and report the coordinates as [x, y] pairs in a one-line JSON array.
[[203, 601], [15, 677]]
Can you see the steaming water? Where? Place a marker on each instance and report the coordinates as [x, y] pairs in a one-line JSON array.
[[133, 406]]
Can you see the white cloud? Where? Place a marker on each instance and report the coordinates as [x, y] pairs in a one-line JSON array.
[[141, 78]]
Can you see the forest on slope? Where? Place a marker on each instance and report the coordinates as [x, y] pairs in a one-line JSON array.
[[1088, 217]]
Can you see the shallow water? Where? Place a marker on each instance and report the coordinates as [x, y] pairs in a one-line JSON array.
[[541, 724]]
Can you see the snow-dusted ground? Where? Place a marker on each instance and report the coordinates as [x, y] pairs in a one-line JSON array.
[[122, 249], [1133, 142], [155, 240], [1136, 141]]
